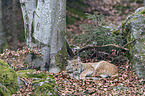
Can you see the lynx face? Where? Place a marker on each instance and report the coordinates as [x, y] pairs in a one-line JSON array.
[[74, 65]]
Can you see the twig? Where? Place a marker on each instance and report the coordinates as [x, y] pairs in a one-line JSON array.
[[129, 42]]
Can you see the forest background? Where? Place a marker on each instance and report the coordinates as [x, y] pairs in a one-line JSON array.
[[114, 13]]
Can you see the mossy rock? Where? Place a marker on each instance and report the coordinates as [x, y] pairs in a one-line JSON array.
[[4, 91], [43, 82], [8, 80], [26, 73], [134, 30]]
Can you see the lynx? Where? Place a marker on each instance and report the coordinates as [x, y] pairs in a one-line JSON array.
[[102, 68]]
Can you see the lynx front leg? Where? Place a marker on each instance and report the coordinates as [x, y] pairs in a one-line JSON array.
[[86, 72]]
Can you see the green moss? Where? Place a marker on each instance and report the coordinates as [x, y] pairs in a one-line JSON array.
[[46, 89], [127, 36], [60, 57], [30, 73], [8, 77], [3, 64], [125, 28], [142, 11], [63, 50], [127, 33], [25, 73], [4, 91], [43, 82], [133, 31]]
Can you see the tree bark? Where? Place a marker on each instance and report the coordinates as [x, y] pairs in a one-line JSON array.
[[3, 42], [14, 24], [45, 24]]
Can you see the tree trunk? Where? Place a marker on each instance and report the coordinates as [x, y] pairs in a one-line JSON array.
[[45, 24], [3, 42], [14, 24]]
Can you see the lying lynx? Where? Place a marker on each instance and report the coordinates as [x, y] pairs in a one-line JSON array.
[[102, 68]]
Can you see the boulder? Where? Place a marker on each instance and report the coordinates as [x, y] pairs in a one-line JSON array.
[[43, 82], [134, 33], [8, 80]]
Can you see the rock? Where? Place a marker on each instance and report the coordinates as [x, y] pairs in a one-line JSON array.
[[34, 61], [8, 80], [54, 70], [135, 31], [43, 82]]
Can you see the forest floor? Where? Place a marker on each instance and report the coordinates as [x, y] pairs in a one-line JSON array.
[[126, 83]]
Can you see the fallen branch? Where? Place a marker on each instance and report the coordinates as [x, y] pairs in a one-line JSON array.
[[108, 45]]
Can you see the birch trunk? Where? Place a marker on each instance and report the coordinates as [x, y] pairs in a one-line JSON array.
[[45, 24]]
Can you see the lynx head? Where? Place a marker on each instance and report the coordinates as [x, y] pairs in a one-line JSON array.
[[74, 64]]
